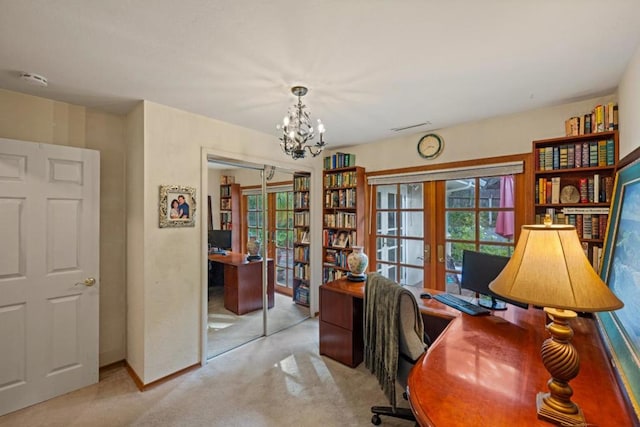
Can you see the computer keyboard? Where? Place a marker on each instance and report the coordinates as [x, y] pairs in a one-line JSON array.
[[462, 305]]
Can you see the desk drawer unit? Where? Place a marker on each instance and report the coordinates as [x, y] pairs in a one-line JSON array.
[[341, 327]]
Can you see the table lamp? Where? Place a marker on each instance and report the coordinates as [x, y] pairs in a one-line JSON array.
[[550, 269]]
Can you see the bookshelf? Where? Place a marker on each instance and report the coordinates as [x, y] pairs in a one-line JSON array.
[[301, 225], [230, 211], [573, 181], [343, 213]]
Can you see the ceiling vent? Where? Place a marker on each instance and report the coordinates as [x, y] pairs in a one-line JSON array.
[[34, 79], [400, 129]]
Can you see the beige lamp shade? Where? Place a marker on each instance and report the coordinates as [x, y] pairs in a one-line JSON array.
[[550, 269]]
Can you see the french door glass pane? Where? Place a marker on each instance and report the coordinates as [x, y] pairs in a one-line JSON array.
[[388, 270], [461, 193], [387, 223], [411, 196], [410, 250], [497, 249], [460, 225], [488, 226], [281, 201], [387, 249], [284, 257], [412, 222], [282, 219], [490, 194], [454, 257], [252, 219], [411, 276], [387, 195], [252, 203]]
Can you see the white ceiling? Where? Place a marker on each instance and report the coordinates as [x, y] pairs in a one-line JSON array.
[[370, 65]]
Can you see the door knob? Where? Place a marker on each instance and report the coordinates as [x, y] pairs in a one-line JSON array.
[[89, 281]]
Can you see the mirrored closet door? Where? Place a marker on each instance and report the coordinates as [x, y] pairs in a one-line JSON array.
[[250, 204]]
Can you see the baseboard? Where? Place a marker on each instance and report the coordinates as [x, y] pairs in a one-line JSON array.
[[143, 387]]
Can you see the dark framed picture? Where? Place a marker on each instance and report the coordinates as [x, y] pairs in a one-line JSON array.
[[177, 206], [341, 239], [621, 271]]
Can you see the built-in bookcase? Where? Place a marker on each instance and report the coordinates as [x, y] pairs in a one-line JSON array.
[[343, 213], [230, 210], [301, 246], [574, 179]]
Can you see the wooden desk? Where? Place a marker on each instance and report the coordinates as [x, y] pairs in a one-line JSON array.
[[341, 320], [243, 282], [480, 371], [487, 371]]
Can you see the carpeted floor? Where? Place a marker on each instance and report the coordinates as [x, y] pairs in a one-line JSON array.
[[227, 330], [277, 381]]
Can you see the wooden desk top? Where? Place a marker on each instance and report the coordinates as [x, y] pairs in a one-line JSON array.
[[233, 258], [430, 307], [487, 370]]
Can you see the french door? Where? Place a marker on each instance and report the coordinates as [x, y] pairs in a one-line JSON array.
[[279, 213], [420, 229], [402, 232]]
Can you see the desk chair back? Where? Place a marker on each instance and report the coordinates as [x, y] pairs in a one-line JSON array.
[[393, 335]]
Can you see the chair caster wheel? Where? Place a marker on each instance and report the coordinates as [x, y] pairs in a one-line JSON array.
[[375, 420]]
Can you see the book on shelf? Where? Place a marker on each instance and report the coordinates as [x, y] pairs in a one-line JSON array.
[[339, 160], [608, 188], [577, 148], [548, 191], [555, 190], [584, 190]]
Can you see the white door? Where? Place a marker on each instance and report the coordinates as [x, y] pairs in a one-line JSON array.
[[49, 286]]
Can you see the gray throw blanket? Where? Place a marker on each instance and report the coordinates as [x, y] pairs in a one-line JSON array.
[[381, 324]]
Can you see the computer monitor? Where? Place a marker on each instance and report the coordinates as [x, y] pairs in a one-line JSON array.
[[219, 240], [478, 270]]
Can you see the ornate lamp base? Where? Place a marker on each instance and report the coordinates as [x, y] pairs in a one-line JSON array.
[[254, 258], [563, 363], [547, 413]]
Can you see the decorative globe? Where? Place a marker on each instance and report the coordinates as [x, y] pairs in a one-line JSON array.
[[357, 262]]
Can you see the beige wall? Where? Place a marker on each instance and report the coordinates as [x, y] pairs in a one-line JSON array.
[[497, 136], [629, 107], [171, 280], [30, 118], [135, 239]]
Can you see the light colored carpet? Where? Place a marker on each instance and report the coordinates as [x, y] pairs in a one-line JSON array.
[[227, 330], [277, 381]]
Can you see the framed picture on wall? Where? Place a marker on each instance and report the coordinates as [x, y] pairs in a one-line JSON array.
[[177, 206], [621, 271]]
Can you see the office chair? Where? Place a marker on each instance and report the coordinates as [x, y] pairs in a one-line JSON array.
[[394, 340]]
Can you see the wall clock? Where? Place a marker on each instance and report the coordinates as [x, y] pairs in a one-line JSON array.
[[430, 146], [569, 194]]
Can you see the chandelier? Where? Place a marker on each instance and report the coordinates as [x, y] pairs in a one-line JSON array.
[[297, 131]]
